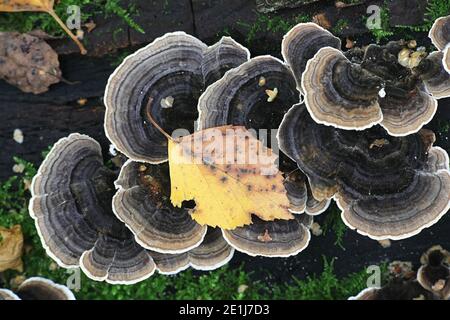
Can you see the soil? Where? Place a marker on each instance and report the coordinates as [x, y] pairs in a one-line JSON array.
[[47, 117]]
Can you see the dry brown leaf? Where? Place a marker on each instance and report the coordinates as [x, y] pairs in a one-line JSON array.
[[28, 62], [11, 247], [39, 6], [230, 175], [322, 20]]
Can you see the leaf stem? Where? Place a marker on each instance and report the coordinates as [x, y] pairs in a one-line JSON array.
[[152, 120], [67, 30]]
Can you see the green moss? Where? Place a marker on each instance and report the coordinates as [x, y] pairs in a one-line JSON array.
[[434, 10], [27, 21], [340, 26], [385, 31], [223, 283], [333, 223]]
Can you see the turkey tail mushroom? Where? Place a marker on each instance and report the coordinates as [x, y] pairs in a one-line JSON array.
[[340, 93], [71, 206], [440, 32], [142, 203], [38, 288], [279, 238], [171, 73], [301, 43], [434, 274], [255, 95], [211, 254], [446, 60], [386, 187], [434, 75]]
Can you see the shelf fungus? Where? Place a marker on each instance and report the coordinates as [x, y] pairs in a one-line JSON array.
[[300, 195], [446, 60], [211, 254], [142, 202], [71, 206], [435, 76], [279, 238], [434, 274], [362, 87], [440, 32], [37, 288], [171, 73], [255, 95], [301, 43], [386, 187]]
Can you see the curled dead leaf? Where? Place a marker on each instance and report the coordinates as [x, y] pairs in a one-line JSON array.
[[11, 247], [28, 62], [322, 20]]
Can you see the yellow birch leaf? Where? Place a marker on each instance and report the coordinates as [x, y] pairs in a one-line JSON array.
[[38, 6], [11, 246], [231, 176]]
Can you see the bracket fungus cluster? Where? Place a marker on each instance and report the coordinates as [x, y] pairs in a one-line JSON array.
[[360, 88], [37, 288], [387, 187], [171, 73], [430, 282], [357, 139]]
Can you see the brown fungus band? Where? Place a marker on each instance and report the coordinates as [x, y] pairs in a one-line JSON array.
[[142, 203], [387, 187], [71, 205], [171, 73]]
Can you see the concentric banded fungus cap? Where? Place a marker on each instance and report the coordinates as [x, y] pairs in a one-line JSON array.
[[386, 187], [434, 75], [446, 59], [341, 93], [406, 111], [211, 254], [6, 294], [434, 274], [395, 290], [279, 238], [255, 95], [37, 288], [440, 32], [171, 73], [301, 43], [71, 205], [143, 203], [300, 195], [405, 105]]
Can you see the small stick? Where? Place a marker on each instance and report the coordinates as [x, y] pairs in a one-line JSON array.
[[67, 30], [150, 117]]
